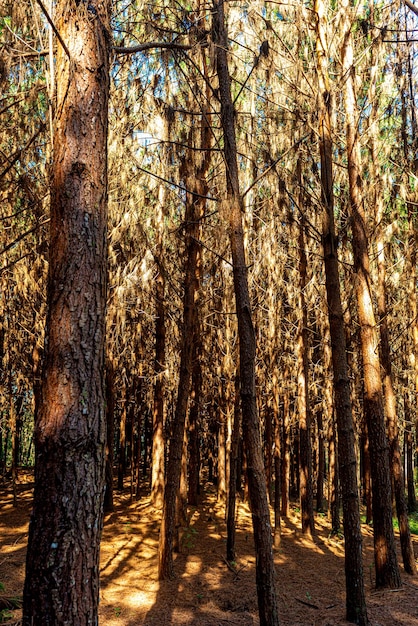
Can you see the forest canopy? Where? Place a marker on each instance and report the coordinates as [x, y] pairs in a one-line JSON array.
[[235, 238]]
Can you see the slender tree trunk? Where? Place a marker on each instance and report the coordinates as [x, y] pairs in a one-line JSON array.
[[265, 574], [409, 439], [386, 564], [392, 421], [356, 611], [193, 215], [194, 430], [277, 463], [304, 410], [321, 463], [62, 566], [367, 480], [122, 437], [334, 481], [232, 492], [222, 408], [110, 421], [268, 449], [389, 392], [158, 443], [285, 451]]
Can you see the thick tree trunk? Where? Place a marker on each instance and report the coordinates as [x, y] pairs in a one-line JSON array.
[[265, 574], [62, 567], [386, 564]]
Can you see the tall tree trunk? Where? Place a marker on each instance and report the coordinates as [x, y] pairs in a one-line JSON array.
[[122, 435], [194, 211], [158, 443], [265, 574], [285, 450], [110, 435], [334, 480], [366, 477], [389, 392], [62, 566], [386, 564], [356, 611], [277, 462], [304, 409], [391, 416], [409, 441], [232, 491], [194, 430], [320, 478]]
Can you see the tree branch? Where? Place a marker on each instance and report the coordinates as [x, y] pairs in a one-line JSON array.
[[152, 45], [45, 12], [411, 6]]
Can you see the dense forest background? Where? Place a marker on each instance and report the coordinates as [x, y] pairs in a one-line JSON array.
[[323, 98]]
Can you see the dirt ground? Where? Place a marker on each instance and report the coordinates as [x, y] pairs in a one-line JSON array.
[[310, 574]]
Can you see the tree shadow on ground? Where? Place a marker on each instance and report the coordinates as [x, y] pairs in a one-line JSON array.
[[310, 573]]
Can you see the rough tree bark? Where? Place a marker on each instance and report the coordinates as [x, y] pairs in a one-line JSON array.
[[62, 566], [386, 564], [195, 206], [303, 403], [356, 610], [232, 209], [385, 353]]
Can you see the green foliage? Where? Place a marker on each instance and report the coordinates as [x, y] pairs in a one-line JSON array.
[[413, 523], [189, 537], [5, 615]]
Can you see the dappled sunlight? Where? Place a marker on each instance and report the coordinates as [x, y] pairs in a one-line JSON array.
[[206, 590]]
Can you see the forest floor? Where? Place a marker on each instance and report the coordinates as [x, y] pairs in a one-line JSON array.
[[205, 592]]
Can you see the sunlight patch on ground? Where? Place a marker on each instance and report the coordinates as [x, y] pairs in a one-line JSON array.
[[141, 599], [182, 616]]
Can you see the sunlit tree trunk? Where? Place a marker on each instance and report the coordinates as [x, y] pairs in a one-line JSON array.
[[195, 205], [356, 611], [158, 442], [387, 570], [304, 409], [110, 434], [62, 567], [285, 449], [277, 462], [265, 575], [385, 353], [366, 477], [194, 429], [232, 491]]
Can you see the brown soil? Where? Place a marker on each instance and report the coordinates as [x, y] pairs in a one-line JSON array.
[[310, 574]]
